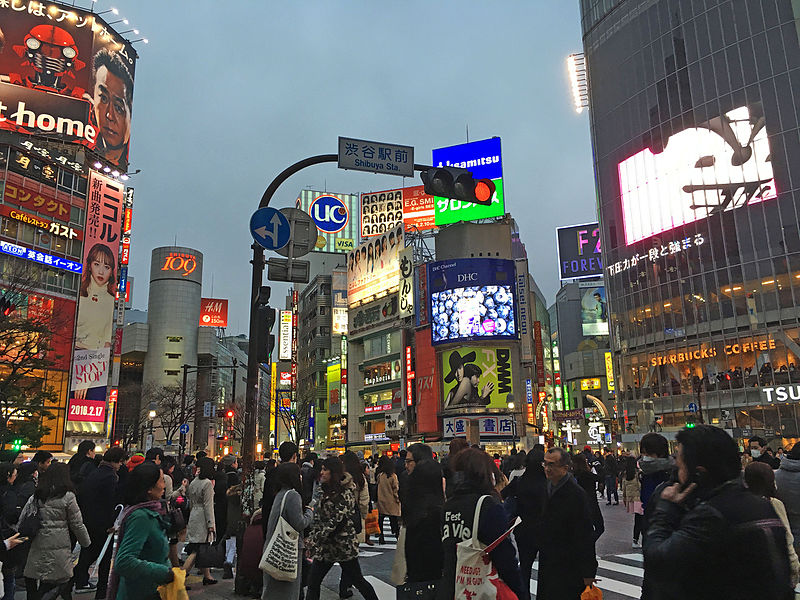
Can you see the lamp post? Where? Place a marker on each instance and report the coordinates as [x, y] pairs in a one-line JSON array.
[[152, 416], [510, 400], [402, 424]]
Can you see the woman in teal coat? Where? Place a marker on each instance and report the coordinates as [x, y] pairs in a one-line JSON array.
[[142, 561]]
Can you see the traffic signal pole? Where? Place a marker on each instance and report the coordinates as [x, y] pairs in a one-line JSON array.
[[251, 397]]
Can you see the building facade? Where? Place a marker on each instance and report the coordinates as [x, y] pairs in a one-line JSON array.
[[695, 133]]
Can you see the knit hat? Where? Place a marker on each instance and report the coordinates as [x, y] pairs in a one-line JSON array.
[[135, 461], [228, 460]]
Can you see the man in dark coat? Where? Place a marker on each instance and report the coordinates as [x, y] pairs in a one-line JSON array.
[[612, 471], [700, 526], [97, 497], [758, 450], [82, 462], [567, 562]]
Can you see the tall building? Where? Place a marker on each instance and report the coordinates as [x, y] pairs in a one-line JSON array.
[[694, 128]]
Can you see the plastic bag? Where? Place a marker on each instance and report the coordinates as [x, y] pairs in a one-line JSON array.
[[371, 523], [175, 589], [592, 593]]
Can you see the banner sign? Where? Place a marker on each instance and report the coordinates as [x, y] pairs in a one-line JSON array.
[[380, 212], [373, 268], [406, 292], [489, 426], [285, 336], [579, 251], [213, 312], [92, 411]]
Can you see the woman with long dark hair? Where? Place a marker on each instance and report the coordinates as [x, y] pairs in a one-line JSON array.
[[472, 473], [333, 537], [288, 504], [588, 481], [388, 497], [49, 564], [422, 515], [632, 497], [202, 526], [352, 465], [141, 562]]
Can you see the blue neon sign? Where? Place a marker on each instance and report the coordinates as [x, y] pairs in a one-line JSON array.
[[42, 258]]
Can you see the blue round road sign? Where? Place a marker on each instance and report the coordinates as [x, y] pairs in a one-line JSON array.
[[692, 407], [184, 429], [270, 228], [329, 214]]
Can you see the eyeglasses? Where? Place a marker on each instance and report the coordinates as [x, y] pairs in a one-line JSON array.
[[408, 460]]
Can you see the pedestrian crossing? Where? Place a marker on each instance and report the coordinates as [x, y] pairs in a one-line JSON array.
[[620, 576], [376, 549]]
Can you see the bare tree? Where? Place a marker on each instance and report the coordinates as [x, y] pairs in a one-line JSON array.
[[167, 402]]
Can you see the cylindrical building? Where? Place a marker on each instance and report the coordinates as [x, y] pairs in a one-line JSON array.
[[695, 134]]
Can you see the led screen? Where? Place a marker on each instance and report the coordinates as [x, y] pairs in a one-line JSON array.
[[720, 165], [594, 312], [485, 309]]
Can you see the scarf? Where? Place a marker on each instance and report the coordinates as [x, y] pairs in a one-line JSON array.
[[158, 506]]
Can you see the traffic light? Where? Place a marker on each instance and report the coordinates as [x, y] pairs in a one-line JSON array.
[[457, 183], [690, 421], [6, 307], [16, 444], [229, 414], [265, 318]]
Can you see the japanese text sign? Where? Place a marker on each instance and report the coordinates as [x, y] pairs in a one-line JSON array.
[[376, 157]]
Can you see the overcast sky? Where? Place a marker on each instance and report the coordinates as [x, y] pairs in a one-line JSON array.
[[229, 93]]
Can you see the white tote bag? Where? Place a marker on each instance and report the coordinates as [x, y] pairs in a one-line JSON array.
[[476, 576], [279, 560]]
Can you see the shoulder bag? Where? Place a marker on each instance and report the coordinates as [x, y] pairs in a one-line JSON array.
[[30, 521], [280, 557]]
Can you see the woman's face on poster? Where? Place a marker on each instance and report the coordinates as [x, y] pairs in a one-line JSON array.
[[101, 270]]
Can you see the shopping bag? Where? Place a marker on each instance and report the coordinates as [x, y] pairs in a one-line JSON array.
[[175, 589], [476, 576], [279, 560], [371, 523], [211, 555], [592, 593], [399, 568], [417, 590]]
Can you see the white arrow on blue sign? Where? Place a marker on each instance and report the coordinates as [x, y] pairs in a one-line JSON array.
[[692, 407], [270, 228], [184, 429]]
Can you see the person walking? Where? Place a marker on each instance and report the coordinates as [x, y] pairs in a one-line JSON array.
[[332, 537], [9, 514], [141, 562], [699, 527], [49, 565], [388, 497], [472, 479], [98, 498], [201, 528], [611, 468], [632, 498], [82, 461], [456, 446], [588, 482], [761, 452], [787, 480], [567, 562], [527, 494], [760, 480], [422, 515], [353, 467], [289, 505]]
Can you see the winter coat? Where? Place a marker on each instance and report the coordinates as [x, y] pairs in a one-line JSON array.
[[299, 520], [731, 542], [787, 478], [362, 500], [527, 495], [50, 557], [458, 515], [142, 559], [611, 466], [794, 563], [588, 483], [566, 551], [422, 517], [233, 517], [332, 537], [388, 495], [258, 488], [655, 471], [201, 515], [98, 498], [631, 491]]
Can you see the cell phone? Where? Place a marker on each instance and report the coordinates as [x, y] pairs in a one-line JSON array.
[[22, 539]]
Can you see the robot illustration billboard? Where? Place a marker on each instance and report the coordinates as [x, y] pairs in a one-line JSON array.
[[66, 76]]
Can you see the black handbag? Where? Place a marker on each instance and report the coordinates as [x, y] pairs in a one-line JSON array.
[[417, 590], [31, 522], [211, 555]]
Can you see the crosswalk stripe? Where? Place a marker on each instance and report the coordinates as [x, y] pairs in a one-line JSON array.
[[382, 589], [620, 587], [635, 557], [620, 568], [611, 585], [367, 554]]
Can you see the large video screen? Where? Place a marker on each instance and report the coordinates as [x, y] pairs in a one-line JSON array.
[[594, 312], [485, 309]]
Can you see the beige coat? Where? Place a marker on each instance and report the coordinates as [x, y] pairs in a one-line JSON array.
[[388, 495], [201, 515], [362, 500], [794, 563]]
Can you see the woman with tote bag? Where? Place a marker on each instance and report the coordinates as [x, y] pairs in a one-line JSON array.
[[288, 504]]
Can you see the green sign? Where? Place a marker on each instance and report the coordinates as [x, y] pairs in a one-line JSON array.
[[477, 376], [453, 211]]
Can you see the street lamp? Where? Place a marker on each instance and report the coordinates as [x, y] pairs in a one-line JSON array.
[[152, 415], [510, 400]]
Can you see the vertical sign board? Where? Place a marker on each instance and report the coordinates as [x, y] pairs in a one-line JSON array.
[[294, 349], [272, 402], [427, 378], [524, 310], [537, 336], [406, 291], [339, 308], [334, 382], [421, 300], [529, 401], [285, 336], [410, 375], [98, 290], [610, 384], [343, 378]]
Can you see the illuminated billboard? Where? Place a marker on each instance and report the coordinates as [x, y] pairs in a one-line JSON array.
[[594, 311], [373, 269], [419, 212], [484, 159], [382, 211], [285, 336], [67, 76], [722, 164], [213, 312], [472, 299], [336, 218], [490, 367], [579, 251]]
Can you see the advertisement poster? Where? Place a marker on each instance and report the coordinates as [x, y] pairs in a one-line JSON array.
[[98, 289], [419, 213], [373, 268], [579, 251], [285, 336], [336, 218], [406, 292], [66, 75], [484, 159], [594, 312], [477, 377], [427, 382], [472, 298], [380, 212], [213, 312]]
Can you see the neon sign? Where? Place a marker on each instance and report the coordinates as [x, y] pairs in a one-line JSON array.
[[181, 263], [40, 257]]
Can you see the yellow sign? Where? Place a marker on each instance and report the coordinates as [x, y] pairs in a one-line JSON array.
[[610, 373], [591, 384], [321, 241], [273, 383], [344, 244]]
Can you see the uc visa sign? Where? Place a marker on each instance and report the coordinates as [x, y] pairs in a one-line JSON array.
[[329, 213]]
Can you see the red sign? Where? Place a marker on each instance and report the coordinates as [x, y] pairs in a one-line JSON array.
[[427, 382], [286, 378], [127, 221], [34, 200], [418, 209], [213, 312], [126, 251], [377, 408], [409, 377], [41, 222], [113, 395], [344, 376], [180, 262], [92, 411], [537, 337]]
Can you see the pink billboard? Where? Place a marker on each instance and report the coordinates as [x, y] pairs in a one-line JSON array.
[[722, 164]]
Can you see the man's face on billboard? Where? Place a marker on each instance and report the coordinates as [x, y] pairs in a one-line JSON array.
[[111, 108]]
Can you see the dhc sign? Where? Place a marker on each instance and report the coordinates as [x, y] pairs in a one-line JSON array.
[[782, 393], [329, 214]]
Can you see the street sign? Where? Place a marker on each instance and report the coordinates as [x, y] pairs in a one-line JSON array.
[[376, 157], [284, 269], [692, 407], [304, 233], [270, 228], [184, 429]]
